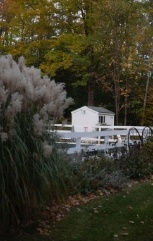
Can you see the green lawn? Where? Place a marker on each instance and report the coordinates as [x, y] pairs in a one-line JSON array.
[[127, 215]]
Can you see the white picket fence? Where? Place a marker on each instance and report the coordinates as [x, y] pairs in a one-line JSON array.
[[103, 138]]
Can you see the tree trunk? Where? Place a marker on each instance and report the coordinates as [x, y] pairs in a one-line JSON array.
[[125, 104], [91, 89], [125, 111], [116, 108], [115, 76], [146, 91]]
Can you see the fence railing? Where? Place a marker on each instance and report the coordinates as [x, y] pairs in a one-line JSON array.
[[103, 138]]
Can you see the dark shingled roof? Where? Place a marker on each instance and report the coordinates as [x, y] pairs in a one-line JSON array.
[[101, 109]]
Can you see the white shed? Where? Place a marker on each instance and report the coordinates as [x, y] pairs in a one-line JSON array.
[[87, 118]]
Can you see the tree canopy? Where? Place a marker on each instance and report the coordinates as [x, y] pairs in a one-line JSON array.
[[100, 49]]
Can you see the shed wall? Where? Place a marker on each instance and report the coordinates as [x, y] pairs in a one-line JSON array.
[[109, 120], [84, 120]]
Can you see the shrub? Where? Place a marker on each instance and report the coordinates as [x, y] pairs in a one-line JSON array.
[[97, 173], [138, 163], [101, 172], [32, 170]]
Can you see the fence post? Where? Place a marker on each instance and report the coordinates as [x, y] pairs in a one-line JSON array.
[[78, 142], [106, 140]]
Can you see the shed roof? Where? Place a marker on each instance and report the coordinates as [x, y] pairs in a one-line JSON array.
[[101, 110]]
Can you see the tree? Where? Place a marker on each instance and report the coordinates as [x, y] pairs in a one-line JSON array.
[[29, 29], [117, 35], [73, 49], [6, 16]]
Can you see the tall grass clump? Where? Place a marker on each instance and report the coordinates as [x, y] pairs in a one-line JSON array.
[[31, 169]]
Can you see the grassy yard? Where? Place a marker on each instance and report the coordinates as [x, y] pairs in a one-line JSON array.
[[124, 216]]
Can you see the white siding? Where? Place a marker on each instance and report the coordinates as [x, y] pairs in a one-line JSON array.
[[86, 119], [109, 120]]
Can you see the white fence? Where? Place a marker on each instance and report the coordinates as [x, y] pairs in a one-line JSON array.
[[103, 138]]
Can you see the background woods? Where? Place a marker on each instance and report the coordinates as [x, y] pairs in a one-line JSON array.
[[101, 50]]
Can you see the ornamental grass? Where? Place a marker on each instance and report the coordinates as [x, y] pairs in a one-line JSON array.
[[32, 171]]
